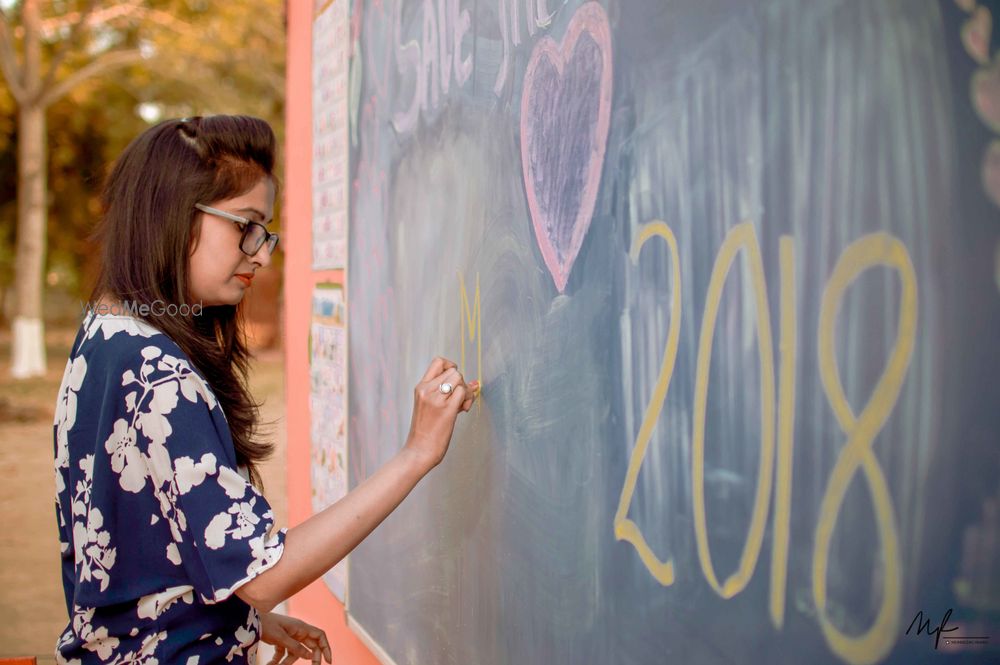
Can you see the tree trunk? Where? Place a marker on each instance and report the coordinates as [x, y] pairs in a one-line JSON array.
[[28, 351], [29, 335]]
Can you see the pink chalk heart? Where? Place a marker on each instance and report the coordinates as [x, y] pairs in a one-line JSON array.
[[565, 114], [986, 94]]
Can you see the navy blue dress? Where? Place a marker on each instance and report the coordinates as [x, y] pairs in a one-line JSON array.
[[158, 524]]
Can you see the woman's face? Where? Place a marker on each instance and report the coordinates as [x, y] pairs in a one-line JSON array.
[[220, 271]]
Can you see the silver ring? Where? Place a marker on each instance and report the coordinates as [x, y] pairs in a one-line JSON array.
[[445, 388]]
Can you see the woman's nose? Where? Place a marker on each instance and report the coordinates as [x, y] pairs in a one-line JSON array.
[[263, 257]]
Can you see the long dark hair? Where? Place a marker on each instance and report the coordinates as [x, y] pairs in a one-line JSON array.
[[146, 232]]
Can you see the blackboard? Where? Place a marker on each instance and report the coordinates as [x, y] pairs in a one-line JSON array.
[[729, 271]]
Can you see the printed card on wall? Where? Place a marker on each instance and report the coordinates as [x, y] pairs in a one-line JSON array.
[[331, 34], [328, 408]]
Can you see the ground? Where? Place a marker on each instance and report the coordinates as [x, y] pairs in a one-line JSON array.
[[32, 607]]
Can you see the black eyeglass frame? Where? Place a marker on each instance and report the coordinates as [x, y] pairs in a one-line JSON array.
[[270, 239]]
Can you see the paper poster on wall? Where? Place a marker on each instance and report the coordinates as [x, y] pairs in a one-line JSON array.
[[328, 408], [331, 33]]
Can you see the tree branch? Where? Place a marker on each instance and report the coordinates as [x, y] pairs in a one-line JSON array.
[[100, 65], [133, 9], [88, 16], [66, 44], [165, 20], [8, 62]]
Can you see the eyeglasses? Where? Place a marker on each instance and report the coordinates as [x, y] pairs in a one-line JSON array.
[[254, 234]]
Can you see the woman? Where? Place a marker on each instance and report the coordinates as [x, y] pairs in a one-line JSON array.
[[168, 554]]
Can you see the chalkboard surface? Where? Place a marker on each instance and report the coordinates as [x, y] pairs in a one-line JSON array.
[[729, 271]]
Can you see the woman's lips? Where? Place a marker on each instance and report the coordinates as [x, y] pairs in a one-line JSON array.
[[246, 279]]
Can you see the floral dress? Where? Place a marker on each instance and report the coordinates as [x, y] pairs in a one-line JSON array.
[[158, 524]]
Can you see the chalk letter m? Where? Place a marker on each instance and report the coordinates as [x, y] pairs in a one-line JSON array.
[[472, 315]]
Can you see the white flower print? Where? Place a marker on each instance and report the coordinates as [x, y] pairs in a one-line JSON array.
[[94, 639], [167, 363], [246, 638], [126, 460], [156, 397], [149, 405], [65, 640], [73, 375], [147, 652], [97, 639], [232, 482], [265, 553], [164, 432], [65, 418], [246, 518], [87, 466], [215, 532], [246, 521], [111, 325], [193, 386], [190, 474], [81, 498], [102, 643], [160, 470], [146, 655], [153, 605], [176, 518], [93, 552], [186, 474], [153, 423]]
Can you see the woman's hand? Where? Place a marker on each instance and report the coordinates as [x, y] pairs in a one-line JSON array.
[[434, 412], [293, 639]]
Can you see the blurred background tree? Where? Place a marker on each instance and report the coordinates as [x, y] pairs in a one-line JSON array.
[[99, 72]]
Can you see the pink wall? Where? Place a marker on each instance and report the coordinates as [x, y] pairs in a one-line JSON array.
[[314, 604]]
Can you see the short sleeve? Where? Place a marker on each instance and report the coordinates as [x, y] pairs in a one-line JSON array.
[[220, 524]]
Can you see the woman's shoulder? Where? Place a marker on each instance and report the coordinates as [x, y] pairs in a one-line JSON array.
[[118, 333], [118, 344], [120, 354]]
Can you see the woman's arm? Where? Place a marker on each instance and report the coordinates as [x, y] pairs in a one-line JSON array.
[[316, 545]]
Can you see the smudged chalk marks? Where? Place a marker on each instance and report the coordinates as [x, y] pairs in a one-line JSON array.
[[985, 88], [976, 35], [996, 262], [565, 113], [986, 94], [991, 172]]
